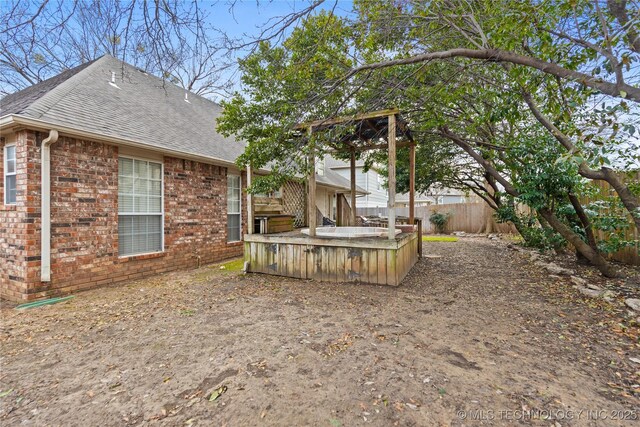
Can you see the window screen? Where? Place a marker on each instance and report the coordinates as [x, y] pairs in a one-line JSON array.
[[139, 206], [234, 192], [10, 175]]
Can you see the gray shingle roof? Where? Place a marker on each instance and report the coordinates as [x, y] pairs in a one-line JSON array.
[[17, 102], [333, 179], [142, 108], [334, 163]]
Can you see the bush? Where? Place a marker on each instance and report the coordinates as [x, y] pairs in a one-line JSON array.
[[440, 220]]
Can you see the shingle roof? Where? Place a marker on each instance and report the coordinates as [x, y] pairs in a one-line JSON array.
[[333, 179], [333, 163], [140, 108], [17, 102]]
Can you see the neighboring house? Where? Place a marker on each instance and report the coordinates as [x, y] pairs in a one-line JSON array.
[[371, 182], [437, 196], [140, 182], [377, 196], [332, 199]]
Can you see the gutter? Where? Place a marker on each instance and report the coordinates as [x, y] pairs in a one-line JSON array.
[[45, 205], [13, 119]]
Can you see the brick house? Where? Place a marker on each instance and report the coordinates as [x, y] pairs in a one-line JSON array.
[[112, 174], [140, 182]]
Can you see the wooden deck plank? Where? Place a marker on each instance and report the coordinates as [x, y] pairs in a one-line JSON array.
[[372, 261], [341, 258], [382, 266]]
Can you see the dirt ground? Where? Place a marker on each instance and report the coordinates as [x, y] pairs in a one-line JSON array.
[[479, 336]]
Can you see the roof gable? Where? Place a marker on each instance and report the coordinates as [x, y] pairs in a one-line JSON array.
[[18, 102], [139, 107]]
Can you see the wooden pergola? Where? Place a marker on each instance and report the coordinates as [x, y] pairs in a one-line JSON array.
[[369, 131]]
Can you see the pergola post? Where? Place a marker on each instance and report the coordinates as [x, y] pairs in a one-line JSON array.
[[391, 204], [311, 211], [352, 217], [412, 183], [250, 221]]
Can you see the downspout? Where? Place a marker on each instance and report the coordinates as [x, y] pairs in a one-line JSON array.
[[45, 205]]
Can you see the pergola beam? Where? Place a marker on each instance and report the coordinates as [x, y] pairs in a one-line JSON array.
[[311, 211], [393, 125], [372, 147], [412, 183], [250, 211], [352, 165], [319, 124], [391, 204]]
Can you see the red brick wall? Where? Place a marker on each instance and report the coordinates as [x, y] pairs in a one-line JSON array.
[[84, 220], [18, 223]]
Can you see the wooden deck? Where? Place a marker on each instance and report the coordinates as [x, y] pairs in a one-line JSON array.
[[373, 260]]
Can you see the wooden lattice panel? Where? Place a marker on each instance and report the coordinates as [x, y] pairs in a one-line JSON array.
[[294, 202]]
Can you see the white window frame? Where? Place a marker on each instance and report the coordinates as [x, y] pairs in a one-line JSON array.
[[161, 163], [240, 207], [7, 173], [320, 166]]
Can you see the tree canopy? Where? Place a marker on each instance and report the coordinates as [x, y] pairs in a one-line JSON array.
[[521, 102]]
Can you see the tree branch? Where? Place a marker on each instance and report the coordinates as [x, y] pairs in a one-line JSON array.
[[497, 55]]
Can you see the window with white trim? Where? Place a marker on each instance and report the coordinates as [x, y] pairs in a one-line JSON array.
[[140, 207], [10, 184], [320, 166], [234, 217]]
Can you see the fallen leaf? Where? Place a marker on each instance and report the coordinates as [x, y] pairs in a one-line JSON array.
[[217, 393]]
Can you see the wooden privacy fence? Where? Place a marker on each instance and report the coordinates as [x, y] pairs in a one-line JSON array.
[[467, 217], [478, 217], [628, 255]]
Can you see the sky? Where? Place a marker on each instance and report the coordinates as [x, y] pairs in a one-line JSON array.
[[237, 19], [246, 19]]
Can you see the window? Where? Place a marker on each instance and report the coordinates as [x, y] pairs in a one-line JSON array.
[[10, 175], [140, 213], [320, 167], [233, 208]]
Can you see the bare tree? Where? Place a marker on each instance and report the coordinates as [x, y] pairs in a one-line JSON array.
[[174, 39], [171, 38]]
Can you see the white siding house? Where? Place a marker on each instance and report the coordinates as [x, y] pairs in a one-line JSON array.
[[371, 181]]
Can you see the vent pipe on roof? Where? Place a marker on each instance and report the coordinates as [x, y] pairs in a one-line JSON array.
[[112, 82], [186, 97], [45, 205]]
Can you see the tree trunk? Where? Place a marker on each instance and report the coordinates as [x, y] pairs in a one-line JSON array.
[[628, 199], [584, 220], [487, 227], [594, 257]]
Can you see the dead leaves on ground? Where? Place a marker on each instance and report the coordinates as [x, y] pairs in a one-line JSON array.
[[339, 345]]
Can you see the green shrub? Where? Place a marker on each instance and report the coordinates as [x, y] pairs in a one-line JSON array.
[[440, 220]]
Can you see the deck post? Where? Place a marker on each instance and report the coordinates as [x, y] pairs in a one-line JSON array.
[[250, 220], [412, 183], [311, 211], [352, 217], [391, 204]]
